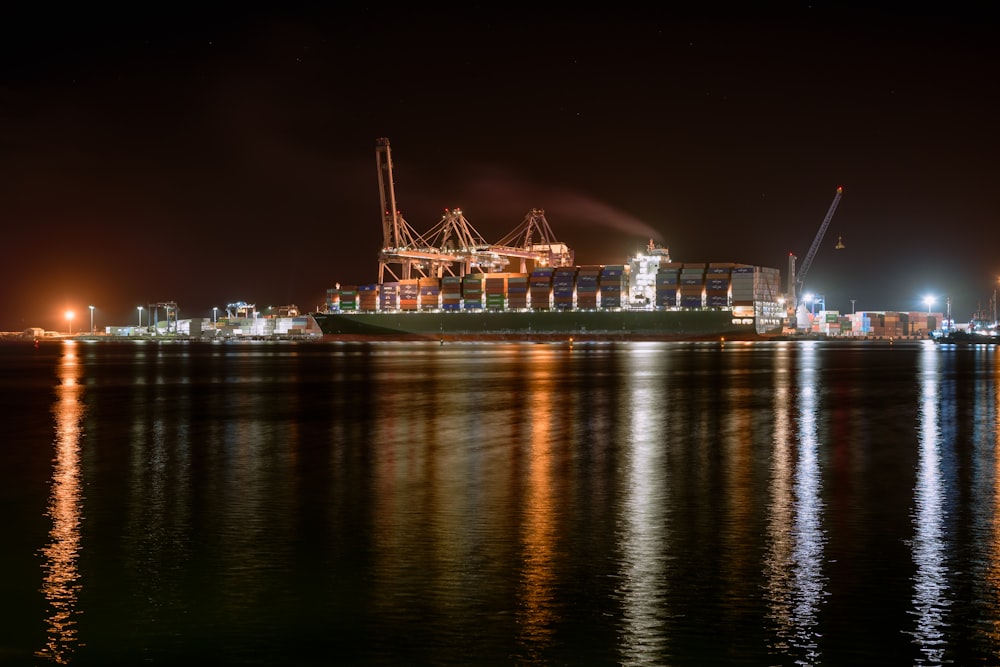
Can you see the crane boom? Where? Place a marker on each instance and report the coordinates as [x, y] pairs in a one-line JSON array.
[[801, 276]]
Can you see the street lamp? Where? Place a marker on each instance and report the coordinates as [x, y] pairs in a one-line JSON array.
[[139, 308], [91, 320], [69, 321], [929, 300]]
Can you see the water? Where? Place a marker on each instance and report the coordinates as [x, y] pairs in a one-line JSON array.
[[509, 504]]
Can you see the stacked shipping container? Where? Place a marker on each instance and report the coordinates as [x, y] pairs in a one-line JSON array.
[[517, 291], [409, 294], [563, 288], [349, 297], [744, 279], [472, 291], [430, 293], [586, 287], [540, 288], [612, 285], [389, 296], [668, 279], [692, 286], [451, 293], [496, 291], [715, 286], [368, 297]]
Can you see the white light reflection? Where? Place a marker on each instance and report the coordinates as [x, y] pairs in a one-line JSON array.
[[793, 567], [991, 445], [61, 583], [643, 535], [930, 583]]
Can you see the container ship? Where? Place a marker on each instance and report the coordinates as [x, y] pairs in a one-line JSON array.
[[450, 283], [647, 298]]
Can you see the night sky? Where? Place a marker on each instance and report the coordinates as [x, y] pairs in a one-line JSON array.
[[224, 154]]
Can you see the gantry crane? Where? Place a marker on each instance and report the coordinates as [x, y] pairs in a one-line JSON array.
[[454, 242], [455, 237], [796, 280], [523, 245]]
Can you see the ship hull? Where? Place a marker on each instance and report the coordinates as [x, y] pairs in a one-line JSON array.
[[541, 325]]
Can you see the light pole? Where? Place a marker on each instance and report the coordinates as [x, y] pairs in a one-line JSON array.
[[139, 308], [929, 300], [91, 320], [69, 321]]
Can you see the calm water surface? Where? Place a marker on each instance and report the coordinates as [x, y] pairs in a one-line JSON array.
[[510, 504]]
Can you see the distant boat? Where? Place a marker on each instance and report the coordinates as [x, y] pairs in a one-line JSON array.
[[963, 337]]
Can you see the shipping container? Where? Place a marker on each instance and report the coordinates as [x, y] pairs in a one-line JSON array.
[[716, 301], [688, 301]]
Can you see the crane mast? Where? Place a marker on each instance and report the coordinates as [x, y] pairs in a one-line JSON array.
[[800, 277], [400, 243]]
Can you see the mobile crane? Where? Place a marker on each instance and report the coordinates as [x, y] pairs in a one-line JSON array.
[[797, 280]]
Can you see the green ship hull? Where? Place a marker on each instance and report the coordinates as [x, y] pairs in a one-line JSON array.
[[542, 325]]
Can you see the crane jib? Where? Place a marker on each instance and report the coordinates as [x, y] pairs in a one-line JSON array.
[[800, 279]]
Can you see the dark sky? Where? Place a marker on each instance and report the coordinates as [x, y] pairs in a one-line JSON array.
[[206, 156]]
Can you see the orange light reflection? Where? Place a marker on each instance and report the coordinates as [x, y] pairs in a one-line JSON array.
[[536, 615], [61, 583]]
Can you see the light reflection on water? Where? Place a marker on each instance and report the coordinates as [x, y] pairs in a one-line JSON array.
[[536, 615], [931, 596], [794, 566], [535, 504], [61, 583], [644, 530], [987, 442]]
